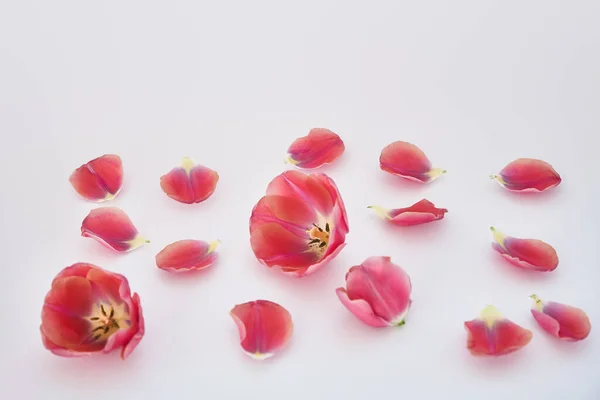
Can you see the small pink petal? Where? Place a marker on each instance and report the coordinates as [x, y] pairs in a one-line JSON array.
[[528, 175], [187, 255], [99, 179], [408, 161], [560, 320], [111, 227], [421, 212], [530, 254], [189, 183], [361, 309], [319, 147]]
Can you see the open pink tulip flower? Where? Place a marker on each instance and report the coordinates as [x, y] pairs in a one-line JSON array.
[[99, 179], [377, 292], [187, 255], [421, 212], [528, 175], [493, 335], [319, 147], [112, 228], [89, 310], [264, 327], [301, 223], [532, 254], [560, 320], [408, 161]]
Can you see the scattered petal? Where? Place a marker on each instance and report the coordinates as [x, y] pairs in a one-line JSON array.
[[89, 311], [528, 175], [419, 213], [377, 292], [99, 179], [189, 183], [264, 327], [493, 335], [530, 254], [319, 147], [112, 228], [187, 255], [560, 320], [408, 161]]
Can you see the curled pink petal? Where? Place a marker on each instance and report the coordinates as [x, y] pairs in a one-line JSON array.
[[408, 161], [99, 179], [111, 227], [493, 335], [560, 320], [319, 147], [89, 311], [421, 212], [377, 292], [530, 254], [264, 327], [300, 224], [187, 255], [189, 183], [528, 175]]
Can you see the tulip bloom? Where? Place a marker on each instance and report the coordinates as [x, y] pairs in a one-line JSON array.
[[264, 327], [300, 225], [100, 179], [528, 175], [187, 255], [319, 147], [377, 292], [90, 311], [493, 335], [560, 320], [189, 183], [408, 161], [419, 213], [112, 228], [530, 254]]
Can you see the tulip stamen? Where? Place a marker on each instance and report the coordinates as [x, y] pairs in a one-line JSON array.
[[106, 319]]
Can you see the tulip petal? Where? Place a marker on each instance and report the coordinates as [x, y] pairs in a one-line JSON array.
[[530, 254], [187, 255], [264, 327], [307, 188], [319, 147], [408, 161], [189, 183], [100, 179], [561, 320], [528, 175], [493, 335], [111, 227], [421, 212], [361, 309]]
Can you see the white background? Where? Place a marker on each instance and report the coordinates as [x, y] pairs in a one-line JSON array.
[[475, 84]]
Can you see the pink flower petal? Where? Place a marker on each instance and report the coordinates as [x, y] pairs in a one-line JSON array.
[[189, 183], [528, 175], [530, 254], [421, 212], [111, 227], [264, 327], [319, 147], [408, 161], [100, 179], [361, 309], [187, 255], [560, 320]]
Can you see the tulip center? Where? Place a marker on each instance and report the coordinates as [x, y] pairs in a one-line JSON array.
[[106, 319], [319, 238]]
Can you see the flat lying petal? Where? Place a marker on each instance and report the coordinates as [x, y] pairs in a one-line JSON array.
[[530, 254], [264, 327], [361, 309], [319, 147], [493, 335], [560, 320], [528, 175], [419, 213], [187, 255], [100, 179], [189, 183], [408, 161], [112, 228]]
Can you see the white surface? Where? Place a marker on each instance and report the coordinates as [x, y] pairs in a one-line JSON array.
[[474, 83]]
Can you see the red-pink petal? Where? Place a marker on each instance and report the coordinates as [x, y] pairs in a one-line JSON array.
[[111, 227], [187, 255], [264, 327], [493, 335], [361, 309], [421, 212], [561, 320], [100, 179], [528, 175], [530, 254], [408, 161], [320, 146], [189, 183], [303, 187]]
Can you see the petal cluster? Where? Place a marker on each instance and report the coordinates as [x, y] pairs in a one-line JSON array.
[[99, 179], [189, 183], [560, 320], [408, 161], [532, 254], [111, 227], [421, 212], [319, 147], [528, 175], [187, 255]]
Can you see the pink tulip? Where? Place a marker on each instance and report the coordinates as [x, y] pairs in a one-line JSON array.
[[100, 179], [408, 161], [112, 228], [529, 254], [560, 320], [377, 292], [319, 147], [189, 183], [528, 175], [421, 212]]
